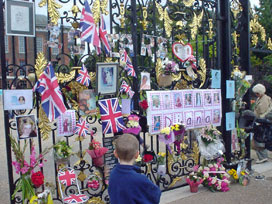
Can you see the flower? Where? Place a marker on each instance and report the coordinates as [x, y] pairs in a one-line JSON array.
[[62, 150], [209, 134], [148, 158], [37, 179], [165, 130], [161, 158], [143, 104], [94, 184]]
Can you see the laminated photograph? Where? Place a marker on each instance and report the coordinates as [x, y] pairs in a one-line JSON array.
[[26, 126], [18, 99]]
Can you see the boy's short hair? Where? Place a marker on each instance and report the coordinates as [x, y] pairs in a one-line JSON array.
[[126, 147]]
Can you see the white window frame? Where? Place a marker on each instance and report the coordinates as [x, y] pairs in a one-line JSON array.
[[55, 50], [6, 44], [21, 44], [39, 44]]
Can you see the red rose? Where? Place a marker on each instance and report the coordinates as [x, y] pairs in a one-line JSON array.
[[143, 104], [37, 179], [147, 158]]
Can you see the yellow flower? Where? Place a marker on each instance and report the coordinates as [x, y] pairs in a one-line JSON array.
[[242, 173], [162, 154], [235, 176], [230, 172], [165, 130], [34, 200]]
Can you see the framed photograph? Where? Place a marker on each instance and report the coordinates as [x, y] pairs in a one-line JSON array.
[[18, 99], [20, 18], [87, 102], [145, 81], [106, 78], [67, 123], [26, 126]]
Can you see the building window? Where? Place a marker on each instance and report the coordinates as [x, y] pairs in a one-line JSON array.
[[21, 44], [55, 51], [6, 44], [39, 42], [22, 69]]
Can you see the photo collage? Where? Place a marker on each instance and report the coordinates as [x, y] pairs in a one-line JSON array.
[[195, 108]]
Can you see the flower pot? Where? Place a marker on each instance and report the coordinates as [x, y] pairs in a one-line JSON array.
[[194, 187], [161, 170]]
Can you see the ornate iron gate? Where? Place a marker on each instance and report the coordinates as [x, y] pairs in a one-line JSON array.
[[152, 24]]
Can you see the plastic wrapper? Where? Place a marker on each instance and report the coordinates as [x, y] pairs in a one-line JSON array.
[[212, 150]]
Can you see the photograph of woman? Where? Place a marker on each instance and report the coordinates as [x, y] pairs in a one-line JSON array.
[[198, 100], [145, 81], [26, 126], [157, 123], [188, 99], [207, 99], [156, 101], [216, 99], [177, 100]]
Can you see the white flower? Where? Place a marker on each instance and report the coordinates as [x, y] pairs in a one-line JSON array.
[[192, 173], [206, 168], [215, 165], [210, 165], [222, 168], [206, 175], [214, 180], [218, 187], [200, 168]]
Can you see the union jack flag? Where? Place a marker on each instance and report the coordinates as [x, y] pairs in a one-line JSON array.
[[88, 27], [67, 177], [76, 198], [127, 89], [51, 97], [111, 116], [83, 76], [103, 36], [82, 128], [128, 65]]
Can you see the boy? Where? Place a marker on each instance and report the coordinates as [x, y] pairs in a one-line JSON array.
[[126, 184]]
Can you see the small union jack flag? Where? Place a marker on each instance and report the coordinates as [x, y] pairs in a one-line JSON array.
[[127, 89], [128, 64], [83, 76], [51, 97], [111, 116], [76, 198], [103, 36], [88, 27], [67, 177], [82, 128]]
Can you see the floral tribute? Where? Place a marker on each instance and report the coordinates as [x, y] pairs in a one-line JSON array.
[[170, 66], [97, 152], [161, 163], [93, 182], [179, 132], [209, 135], [149, 157], [62, 151], [167, 136], [214, 176], [29, 178], [143, 104]]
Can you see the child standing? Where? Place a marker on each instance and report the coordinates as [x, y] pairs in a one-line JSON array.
[[126, 184]]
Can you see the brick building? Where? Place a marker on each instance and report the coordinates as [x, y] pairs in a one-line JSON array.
[[21, 53]]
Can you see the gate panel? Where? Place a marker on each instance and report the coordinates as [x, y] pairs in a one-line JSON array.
[[154, 25]]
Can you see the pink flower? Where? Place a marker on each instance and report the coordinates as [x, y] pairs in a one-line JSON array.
[[195, 168], [17, 166], [24, 169], [94, 184]]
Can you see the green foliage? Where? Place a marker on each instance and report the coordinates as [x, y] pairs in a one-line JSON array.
[[264, 13]]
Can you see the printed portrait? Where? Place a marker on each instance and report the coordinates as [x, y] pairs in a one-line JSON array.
[[198, 99], [26, 126], [188, 101], [177, 100], [207, 99], [156, 123], [156, 101], [87, 102], [216, 116], [145, 81], [216, 98], [167, 101], [67, 123]]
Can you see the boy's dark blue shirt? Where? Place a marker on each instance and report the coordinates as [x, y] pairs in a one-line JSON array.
[[128, 186]]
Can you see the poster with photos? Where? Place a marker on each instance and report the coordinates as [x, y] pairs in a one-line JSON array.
[[195, 108], [67, 123], [18, 99]]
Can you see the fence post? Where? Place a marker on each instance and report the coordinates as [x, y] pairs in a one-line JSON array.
[[6, 116], [224, 63], [245, 58]]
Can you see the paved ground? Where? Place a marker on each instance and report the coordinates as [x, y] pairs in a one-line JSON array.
[[257, 192]]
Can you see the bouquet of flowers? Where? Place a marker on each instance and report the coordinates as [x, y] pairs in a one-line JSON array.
[[28, 178], [133, 126], [62, 151], [42, 198], [233, 174], [93, 182], [161, 163], [215, 178], [167, 136], [149, 157], [179, 132], [210, 134], [194, 181], [97, 152], [170, 66]]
